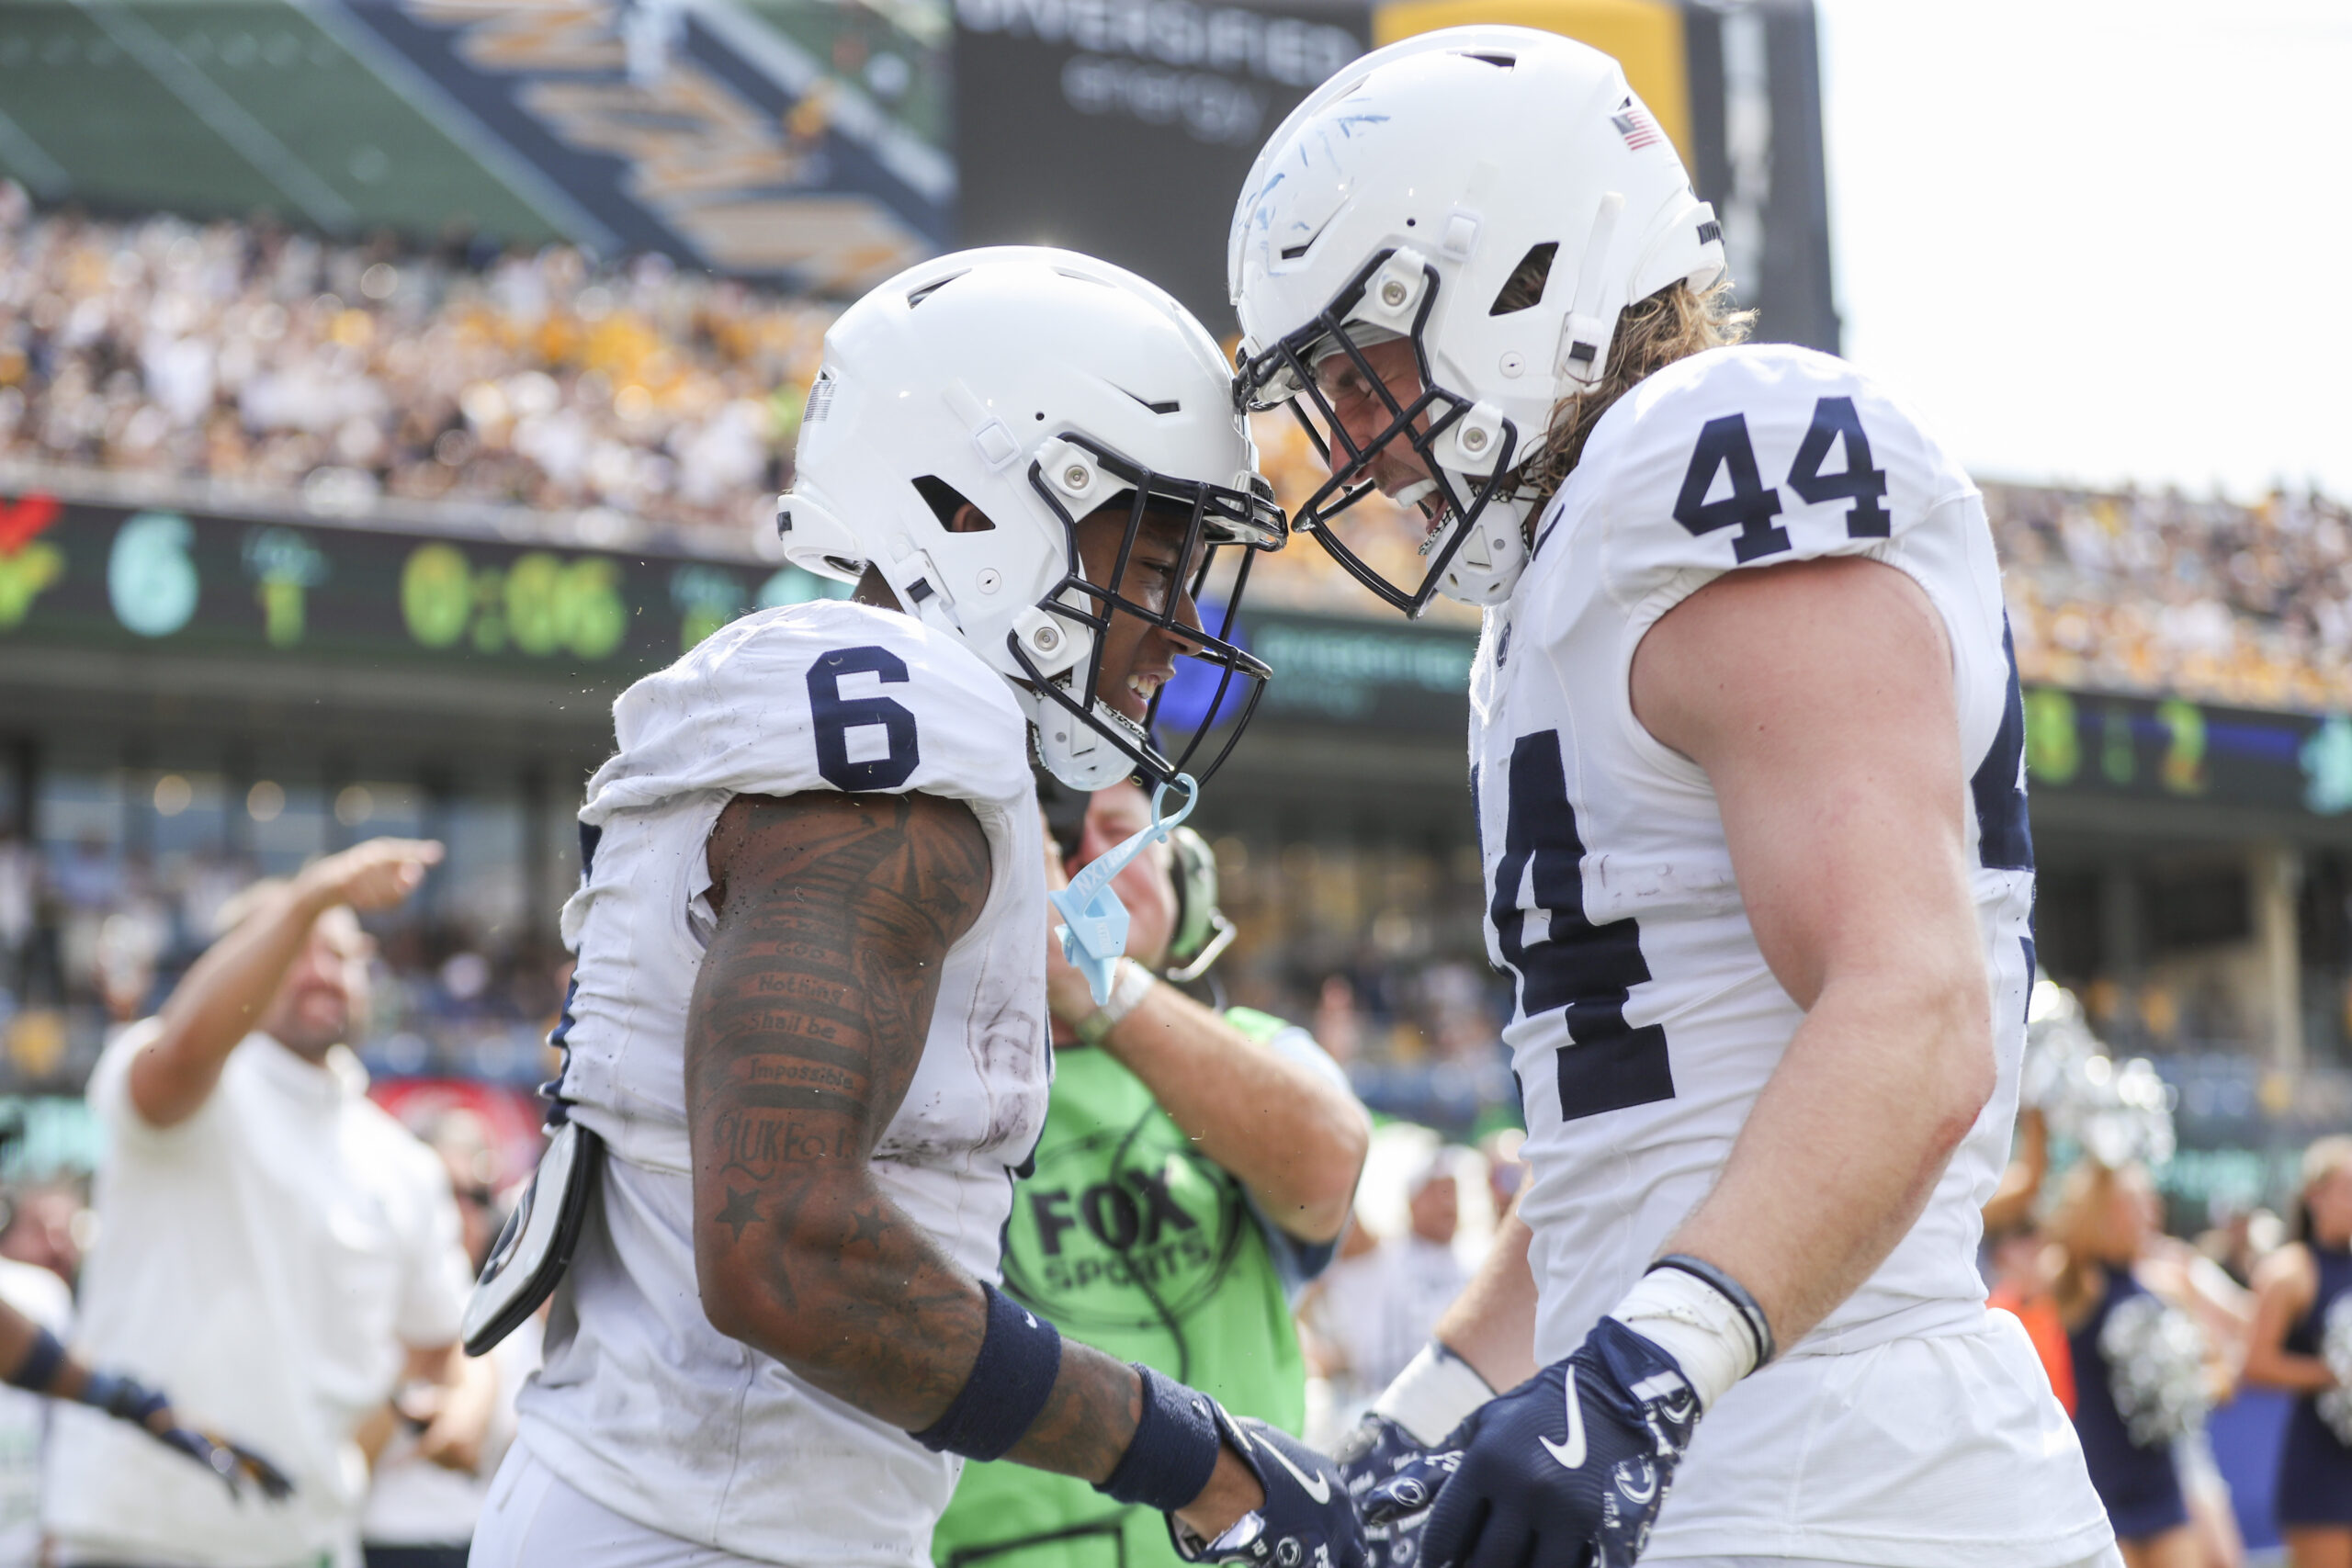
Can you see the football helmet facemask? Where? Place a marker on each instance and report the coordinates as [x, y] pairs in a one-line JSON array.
[[1401, 200], [1043, 389]]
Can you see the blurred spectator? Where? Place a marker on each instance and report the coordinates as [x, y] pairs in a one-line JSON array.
[[44, 1228], [430, 1477], [1196, 1168], [2301, 1344], [2243, 1238], [254, 356], [2223, 1310], [272, 1248], [1336, 1025], [1374, 1311], [2124, 1384]]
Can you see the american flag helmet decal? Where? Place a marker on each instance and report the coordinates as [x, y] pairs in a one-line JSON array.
[[1634, 123]]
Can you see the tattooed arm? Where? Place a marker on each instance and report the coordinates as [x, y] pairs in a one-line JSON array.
[[808, 1023]]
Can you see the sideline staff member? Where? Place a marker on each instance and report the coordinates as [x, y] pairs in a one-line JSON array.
[[272, 1247], [1195, 1169]]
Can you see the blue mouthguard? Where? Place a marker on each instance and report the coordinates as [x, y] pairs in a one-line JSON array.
[[1095, 938]]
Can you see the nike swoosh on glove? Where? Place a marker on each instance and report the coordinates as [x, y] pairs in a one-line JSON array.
[[1377, 1450], [1568, 1470], [1308, 1519]]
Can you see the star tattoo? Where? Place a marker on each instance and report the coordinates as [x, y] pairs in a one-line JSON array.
[[865, 1227], [739, 1211]]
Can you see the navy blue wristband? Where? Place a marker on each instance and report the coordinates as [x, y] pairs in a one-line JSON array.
[[1021, 1354], [39, 1366], [124, 1398], [1174, 1451]]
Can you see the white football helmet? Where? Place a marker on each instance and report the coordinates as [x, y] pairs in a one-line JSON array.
[[1396, 202], [1039, 386]]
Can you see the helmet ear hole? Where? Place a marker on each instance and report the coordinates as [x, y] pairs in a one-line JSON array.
[[1524, 290], [956, 515]]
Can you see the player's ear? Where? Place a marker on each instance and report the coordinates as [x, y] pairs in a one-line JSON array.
[[969, 519]]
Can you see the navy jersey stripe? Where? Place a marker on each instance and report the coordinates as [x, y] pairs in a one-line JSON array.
[[2004, 834], [552, 1090]]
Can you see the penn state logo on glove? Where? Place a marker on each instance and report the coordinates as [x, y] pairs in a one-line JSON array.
[[1377, 1453], [1566, 1470], [1308, 1519]]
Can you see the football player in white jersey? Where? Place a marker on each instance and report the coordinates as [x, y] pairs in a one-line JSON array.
[[808, 1026], [1746, 754]]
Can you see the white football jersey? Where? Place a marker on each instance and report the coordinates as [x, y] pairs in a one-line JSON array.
[[642, 1405], [1645, 1020]]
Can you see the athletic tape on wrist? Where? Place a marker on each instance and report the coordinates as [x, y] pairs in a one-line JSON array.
[[1759, 1325], [39, 1366], [1132, 983], [1435, 1392], [1021, 1354], [1694, 1326], [1174, 1451]]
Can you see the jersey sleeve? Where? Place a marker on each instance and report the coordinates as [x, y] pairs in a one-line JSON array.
[[822, 696], [1756, 456]]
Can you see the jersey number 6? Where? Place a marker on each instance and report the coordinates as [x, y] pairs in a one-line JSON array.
[[837, 717], [1723, 444]]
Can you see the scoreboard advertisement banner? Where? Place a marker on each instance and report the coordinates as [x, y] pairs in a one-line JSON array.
[[190, 584], [2171, 749], [197, 584]]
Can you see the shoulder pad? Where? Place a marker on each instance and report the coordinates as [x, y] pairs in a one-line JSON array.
[[1753, 456], [824, 696]]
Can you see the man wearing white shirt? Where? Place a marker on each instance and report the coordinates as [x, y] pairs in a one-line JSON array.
[[272, 1248], [1376, 1308]]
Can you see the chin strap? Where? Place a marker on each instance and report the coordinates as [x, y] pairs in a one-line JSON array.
[[1095, 938]]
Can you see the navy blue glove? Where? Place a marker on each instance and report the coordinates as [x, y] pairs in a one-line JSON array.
[[1375, 1451], [127, 1399], [1568, 1470], [1307, 1520]]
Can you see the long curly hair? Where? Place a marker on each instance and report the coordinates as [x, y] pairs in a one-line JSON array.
[[1673, 323]]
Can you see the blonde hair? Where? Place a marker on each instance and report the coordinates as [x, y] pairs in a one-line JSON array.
[[2077, 1227], [2078, 1217], [1673, 323], [2324, 1158]]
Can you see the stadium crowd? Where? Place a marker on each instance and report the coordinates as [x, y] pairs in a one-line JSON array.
[[2163, 595], [256, 356], [260, 357]]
